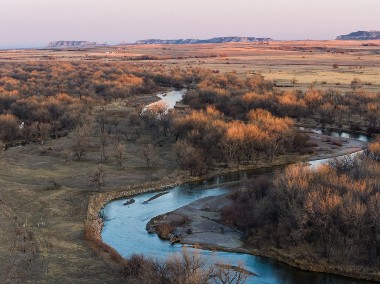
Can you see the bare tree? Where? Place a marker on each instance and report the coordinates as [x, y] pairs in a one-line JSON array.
[[81, 141], [102, 119], [146, 151], [184, 268], [97, 177], [312, 85], [103, 145], [120, 154], [229, 274], [190, 158]]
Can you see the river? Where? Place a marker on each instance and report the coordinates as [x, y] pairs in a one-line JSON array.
[[124, 230], [170, 98]]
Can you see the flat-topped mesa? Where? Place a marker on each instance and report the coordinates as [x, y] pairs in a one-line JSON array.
[[199, 41], [361, 35], [71, 43]]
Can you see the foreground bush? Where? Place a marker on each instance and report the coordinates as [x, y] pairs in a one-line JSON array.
[[184, 268]]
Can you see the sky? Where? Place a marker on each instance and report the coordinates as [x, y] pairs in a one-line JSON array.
[[34, 23]]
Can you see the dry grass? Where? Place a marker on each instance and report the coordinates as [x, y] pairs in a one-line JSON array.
[[63, 254], [307, 61]]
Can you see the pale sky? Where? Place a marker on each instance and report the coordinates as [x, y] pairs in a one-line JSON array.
[[33, 23]]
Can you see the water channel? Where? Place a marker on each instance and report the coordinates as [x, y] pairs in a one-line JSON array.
[[124, 229]]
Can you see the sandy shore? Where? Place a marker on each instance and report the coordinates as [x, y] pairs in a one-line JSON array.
[[329, 147], [203, 224]]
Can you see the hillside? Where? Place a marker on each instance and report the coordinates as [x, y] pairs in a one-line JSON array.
[[360, 35]]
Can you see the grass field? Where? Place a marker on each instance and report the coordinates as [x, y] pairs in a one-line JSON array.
[[306, 61], [54, 250], [55, 215]]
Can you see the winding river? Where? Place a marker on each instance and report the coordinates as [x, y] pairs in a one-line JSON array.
[[124, 230]]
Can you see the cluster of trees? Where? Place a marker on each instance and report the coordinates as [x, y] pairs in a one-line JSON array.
[[332, 213], [42, 99], [357, 109], [107, 138], [184, 268], [38, 117], [206, 137]]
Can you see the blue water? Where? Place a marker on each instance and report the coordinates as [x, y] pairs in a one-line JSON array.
[[125, 229]]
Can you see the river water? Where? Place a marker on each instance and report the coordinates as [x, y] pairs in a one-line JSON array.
[[341, 134], [170, 98], [125, 229]]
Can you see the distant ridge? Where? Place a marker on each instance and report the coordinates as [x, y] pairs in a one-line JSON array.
[[198, 41], [360, 35], [72, 43]]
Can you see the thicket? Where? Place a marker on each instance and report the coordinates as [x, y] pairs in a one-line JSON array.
[[39, 100], [184, 268], [207, 137], [332, 213], [357, 109]]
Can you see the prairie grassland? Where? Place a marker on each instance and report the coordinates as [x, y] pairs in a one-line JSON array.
[[283, 61], [305, 61]]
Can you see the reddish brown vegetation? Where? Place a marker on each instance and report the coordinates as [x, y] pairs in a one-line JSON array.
[[50, 98], [332, 213], [235, 97]]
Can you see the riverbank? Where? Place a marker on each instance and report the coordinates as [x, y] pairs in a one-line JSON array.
[[94, 222], [204, 229]]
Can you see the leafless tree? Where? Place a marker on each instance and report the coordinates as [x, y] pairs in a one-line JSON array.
[[81, 141], [103, 146], [97, 177], [184, 268], [229, 274], [120, 154], [146, 151], [102, 118]]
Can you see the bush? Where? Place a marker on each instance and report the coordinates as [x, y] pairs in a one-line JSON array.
[[164, 230]]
